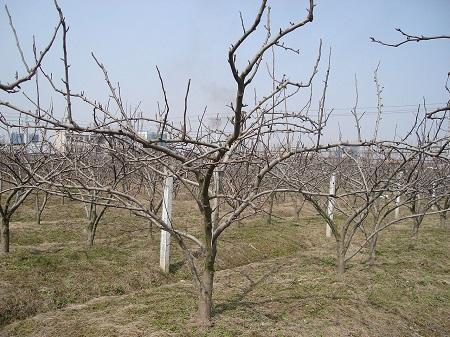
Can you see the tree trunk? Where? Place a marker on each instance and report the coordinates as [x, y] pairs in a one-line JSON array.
[[373, 249], [206, 279], [205, 304], [38, 213], [90, 237], [40, 207], [151, 229], [91, 229], [269, 213], [205, 298], [416, 225], [340, 263], [443, 219], [297, 209], [4, 235]]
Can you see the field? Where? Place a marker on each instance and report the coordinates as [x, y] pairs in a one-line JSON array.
[[272, 280]]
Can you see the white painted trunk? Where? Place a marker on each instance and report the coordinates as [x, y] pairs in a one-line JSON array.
[[164, 257], [397, 204], [331, 201]]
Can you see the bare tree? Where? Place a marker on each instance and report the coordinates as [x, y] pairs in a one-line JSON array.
[[410, 38], [31, 71], [14, 189], [40, 205], [18, 168], [190, 155], [259, 142], [368, 184], [407, 38], [439, 169]]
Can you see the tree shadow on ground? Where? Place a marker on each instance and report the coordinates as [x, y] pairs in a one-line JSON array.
[[238, 300]]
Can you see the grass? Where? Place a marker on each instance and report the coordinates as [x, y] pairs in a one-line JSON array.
[[272, 280]]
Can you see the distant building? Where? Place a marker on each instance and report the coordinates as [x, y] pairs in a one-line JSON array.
[[65, 140], [17, 138], [339, 152], [75, 141], [151, 135], [29, 139], [34, 138]]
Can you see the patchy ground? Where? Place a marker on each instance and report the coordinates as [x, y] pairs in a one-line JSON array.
[[273, 280]]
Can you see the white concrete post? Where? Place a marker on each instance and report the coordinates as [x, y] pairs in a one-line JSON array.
[[397, 205], [397, 198], [331, 202], [164, 256]]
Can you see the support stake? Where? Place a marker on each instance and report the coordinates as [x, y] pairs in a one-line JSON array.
[[331, 202]]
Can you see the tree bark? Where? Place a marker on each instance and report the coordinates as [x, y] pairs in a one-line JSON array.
[[40, 207], [297, 209], [416, 225], [92, 225], [205, 297], [151, 229], [373, 249], [340, 263], [90, 233], [91, 228], [38, 210], [443, 219], [297, 217], [38, 217], [269, 213], [4, 235], [205, 304]]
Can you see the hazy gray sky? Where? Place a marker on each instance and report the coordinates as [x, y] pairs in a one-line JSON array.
[[190, 39]]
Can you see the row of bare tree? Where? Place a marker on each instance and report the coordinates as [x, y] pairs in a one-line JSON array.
[[232, 173]]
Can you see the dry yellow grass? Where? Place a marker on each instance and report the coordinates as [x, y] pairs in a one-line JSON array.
[[275, 280]]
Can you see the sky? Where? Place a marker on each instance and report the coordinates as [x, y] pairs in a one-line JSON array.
[[190, 40]]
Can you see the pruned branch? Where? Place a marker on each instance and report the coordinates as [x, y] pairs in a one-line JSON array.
[[410, 38]]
